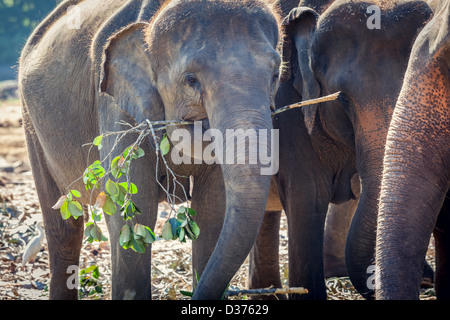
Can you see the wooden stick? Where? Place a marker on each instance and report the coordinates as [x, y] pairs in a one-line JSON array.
[[330, 97], [267, 291]]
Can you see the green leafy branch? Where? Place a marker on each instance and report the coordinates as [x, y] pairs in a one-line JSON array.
[[120, 194], [116, 194], [90, 285]]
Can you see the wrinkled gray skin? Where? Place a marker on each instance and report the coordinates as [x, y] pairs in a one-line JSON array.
[[217, 63], [415, 198], [328, 53]]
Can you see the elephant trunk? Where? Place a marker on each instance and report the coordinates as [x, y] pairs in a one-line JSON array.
[[416, 178], [360, 244], [403, 232], [246, 188]]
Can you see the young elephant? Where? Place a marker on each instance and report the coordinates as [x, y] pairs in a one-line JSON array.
[[415, 198], [212, 61]]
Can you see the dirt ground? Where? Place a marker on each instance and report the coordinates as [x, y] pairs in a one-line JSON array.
[[19, 212]]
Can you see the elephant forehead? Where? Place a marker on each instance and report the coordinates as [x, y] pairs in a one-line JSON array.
[[181, 20]]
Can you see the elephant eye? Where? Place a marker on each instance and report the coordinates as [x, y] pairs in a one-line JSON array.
[[191, 80], [275, 77]]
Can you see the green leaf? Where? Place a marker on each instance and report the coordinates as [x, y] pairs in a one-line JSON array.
[[186, 293], [96, 215], [112, 188], [115, 169], [182, 219], [88, 228], [139, 231], [96, 233], [109, 207], [76, 193], [97, 169], [129, 210], [137, 152], [182, 209], [138, 246], [149, 236], [164, 145], [191, 212], [98, 141], [192, 230], [182, 234], [64, 210], [74, 208], [194, 227], [126, 233], [120, 198], [88, 269], [143, 234], [132, 189], [92, 174], [175, 225], [167, 231], [95, 272]]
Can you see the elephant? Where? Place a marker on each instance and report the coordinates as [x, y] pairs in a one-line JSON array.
[[264, 258], [339, 49], [414, 197], [128, 61], [264, 268]]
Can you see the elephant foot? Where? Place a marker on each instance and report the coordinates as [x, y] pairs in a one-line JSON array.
[[427, 277]]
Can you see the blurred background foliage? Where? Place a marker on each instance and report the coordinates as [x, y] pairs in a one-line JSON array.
[[18, 18]]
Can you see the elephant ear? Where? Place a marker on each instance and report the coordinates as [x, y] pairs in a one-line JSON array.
[[300, 25], [126, 74]]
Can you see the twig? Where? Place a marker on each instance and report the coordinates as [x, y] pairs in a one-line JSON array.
[[266, 291], [170, 200], [330, 97]]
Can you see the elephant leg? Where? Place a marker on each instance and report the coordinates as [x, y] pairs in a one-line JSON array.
[[306, 252], [442, 248], [64, 237], [264, 267], [131, 271], [208, 200], [337, 223]]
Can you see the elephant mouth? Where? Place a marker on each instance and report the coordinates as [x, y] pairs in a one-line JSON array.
[[195, 137], [205, 124]]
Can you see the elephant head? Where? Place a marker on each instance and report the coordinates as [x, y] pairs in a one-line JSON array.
[[416, 174], [339, 50], [215, 62]]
